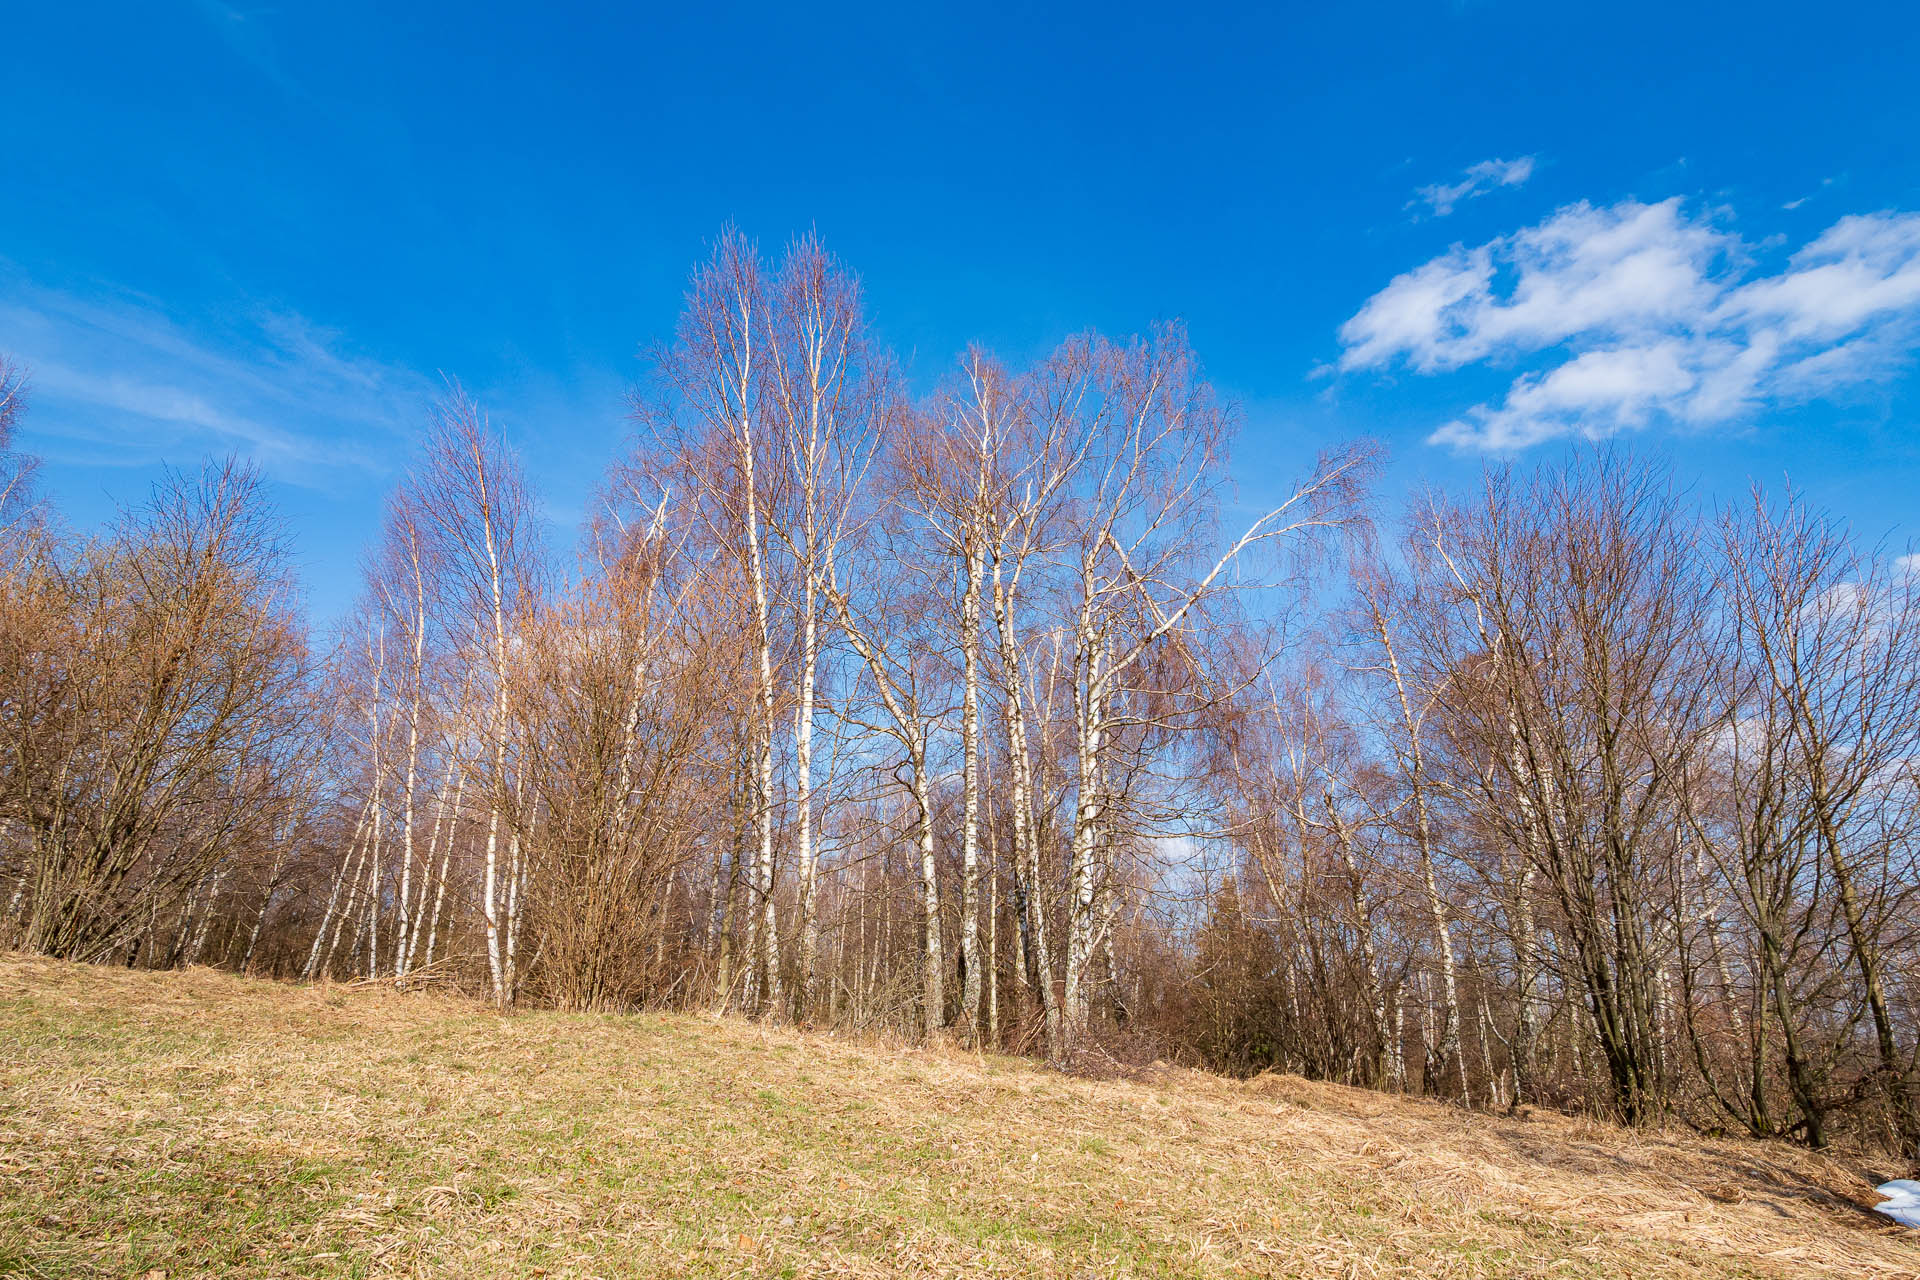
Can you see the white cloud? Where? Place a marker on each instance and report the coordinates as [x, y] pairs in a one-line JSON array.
[[1416, 314], [1645, 313], [116, 381], [1800, 200], [1481, 178], [1859, 268]]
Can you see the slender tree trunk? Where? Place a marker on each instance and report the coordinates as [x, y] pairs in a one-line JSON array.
[[993, 950], [1363, 926], [446, 859], [803, 793], [1026, 850], [425, 911], [1494, 1099], [1525, 935], [1396, 1056], [933, 977], [1450, 1047], [1088, 845], [403, 953], [970, 784], [266, 901], [766, 959], [333, 899], [347, 911], [740, 796], [206, 915], [516, 881], [490, 904], [379, 785]]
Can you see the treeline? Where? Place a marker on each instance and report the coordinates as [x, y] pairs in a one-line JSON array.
[[995, 714]]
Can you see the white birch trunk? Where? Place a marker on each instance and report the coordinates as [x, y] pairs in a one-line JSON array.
[[803, 791], [378, 784], [206, 915], [422, 914], [970, 775], [934, 977], [1363, 925], [408, 912], [1451, 1045], [1084, 875], [266, 901], [1026, 852], [333, 899], [446, 859], [765, 958], [496, 960]]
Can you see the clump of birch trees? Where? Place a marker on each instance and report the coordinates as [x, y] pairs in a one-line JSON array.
[[978, 704]]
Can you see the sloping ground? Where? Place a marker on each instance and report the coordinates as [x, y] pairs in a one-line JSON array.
[[201, 1124]]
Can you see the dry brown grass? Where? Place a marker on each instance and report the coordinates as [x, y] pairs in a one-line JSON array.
[[201, 1124]]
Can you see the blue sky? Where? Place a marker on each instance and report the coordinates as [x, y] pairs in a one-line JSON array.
[[1460, 228]]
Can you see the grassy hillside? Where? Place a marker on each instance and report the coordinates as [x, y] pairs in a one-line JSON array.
[[202, 1124]]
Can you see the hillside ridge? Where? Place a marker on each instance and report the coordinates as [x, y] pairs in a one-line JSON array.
[[198, 1123]]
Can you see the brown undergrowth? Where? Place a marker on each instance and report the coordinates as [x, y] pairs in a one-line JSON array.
[[201, 1124]]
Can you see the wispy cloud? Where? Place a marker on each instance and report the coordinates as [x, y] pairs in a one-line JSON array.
[[118, 381], [1645, 313], [1824, 184], [1481, 178]]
